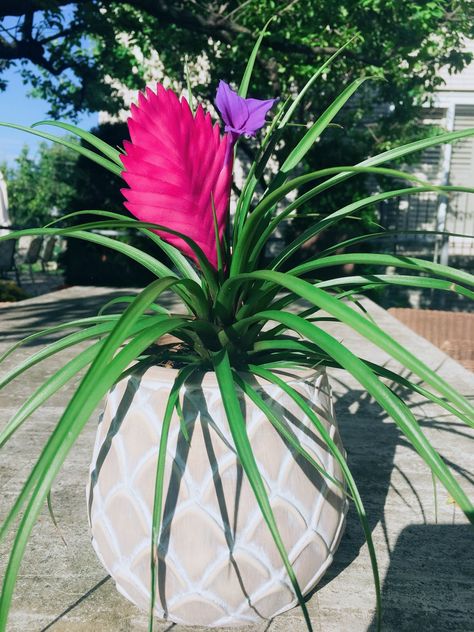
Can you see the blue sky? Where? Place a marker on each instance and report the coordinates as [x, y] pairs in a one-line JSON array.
[[17, 107]]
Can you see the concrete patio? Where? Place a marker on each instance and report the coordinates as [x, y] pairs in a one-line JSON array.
[[426, 568]]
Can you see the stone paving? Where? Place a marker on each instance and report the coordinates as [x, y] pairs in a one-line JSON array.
[[426, 567]]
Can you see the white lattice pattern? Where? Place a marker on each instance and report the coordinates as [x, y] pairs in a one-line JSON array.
[[218, 564]]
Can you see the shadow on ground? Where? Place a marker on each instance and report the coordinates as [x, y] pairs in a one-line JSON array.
[[429, 582], [430, 569]]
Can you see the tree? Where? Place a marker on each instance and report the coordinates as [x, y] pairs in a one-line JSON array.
[[40, 185], [57, 181], [70, 51], [72, 46]]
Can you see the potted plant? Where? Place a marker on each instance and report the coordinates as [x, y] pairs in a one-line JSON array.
[[219, 485]]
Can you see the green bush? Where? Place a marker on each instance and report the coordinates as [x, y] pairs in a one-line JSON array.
[[10, 292]]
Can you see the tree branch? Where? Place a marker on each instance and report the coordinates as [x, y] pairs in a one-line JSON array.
[[213, 24], [225, 29], [20, 7], [27, 26], [31, 50], [50, 38]]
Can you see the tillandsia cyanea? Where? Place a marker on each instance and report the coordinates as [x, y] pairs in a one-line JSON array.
[[177, 167], [235, 322]]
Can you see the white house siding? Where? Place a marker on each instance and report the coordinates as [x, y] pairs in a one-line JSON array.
[[460, 216], [452, 110], [461, 82], [458, 93]]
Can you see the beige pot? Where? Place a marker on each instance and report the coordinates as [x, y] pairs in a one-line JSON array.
[[218, 564]]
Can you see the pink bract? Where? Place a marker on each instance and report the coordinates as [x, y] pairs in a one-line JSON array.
[[177, 167]]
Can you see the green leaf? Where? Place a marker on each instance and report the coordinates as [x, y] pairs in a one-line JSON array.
[[348, 316], [53, 518], [258, 227], [281, 119], [394, 407], [87, 153], [272, 198], [291, 110], [255, 172], [173, 398], [381, 280], [333, 448], [59, 379], [315, 131], [299, 152], [271, 342], [337, 216], [269, 227], [129, 299], [242, 444], [104, 370], [347, 243], [280, 426], [57, 449], [397, 261], [220, 266], [98, 143], [416, 388], [47, 389], [59, 345], [149, 262], [179, 260], [93, 320], [207, 270], [387, 156], [93, 380], [197, 298], [244, 84]]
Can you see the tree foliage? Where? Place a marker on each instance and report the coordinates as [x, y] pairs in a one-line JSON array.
[[72, 46], [40, 185], [76, 54]]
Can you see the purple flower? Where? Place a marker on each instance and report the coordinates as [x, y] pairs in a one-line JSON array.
[[241, 116]]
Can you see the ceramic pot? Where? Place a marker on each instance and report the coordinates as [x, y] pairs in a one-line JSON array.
[[217, 562]]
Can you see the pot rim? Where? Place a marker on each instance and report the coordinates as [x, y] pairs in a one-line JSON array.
[[165, 374]]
